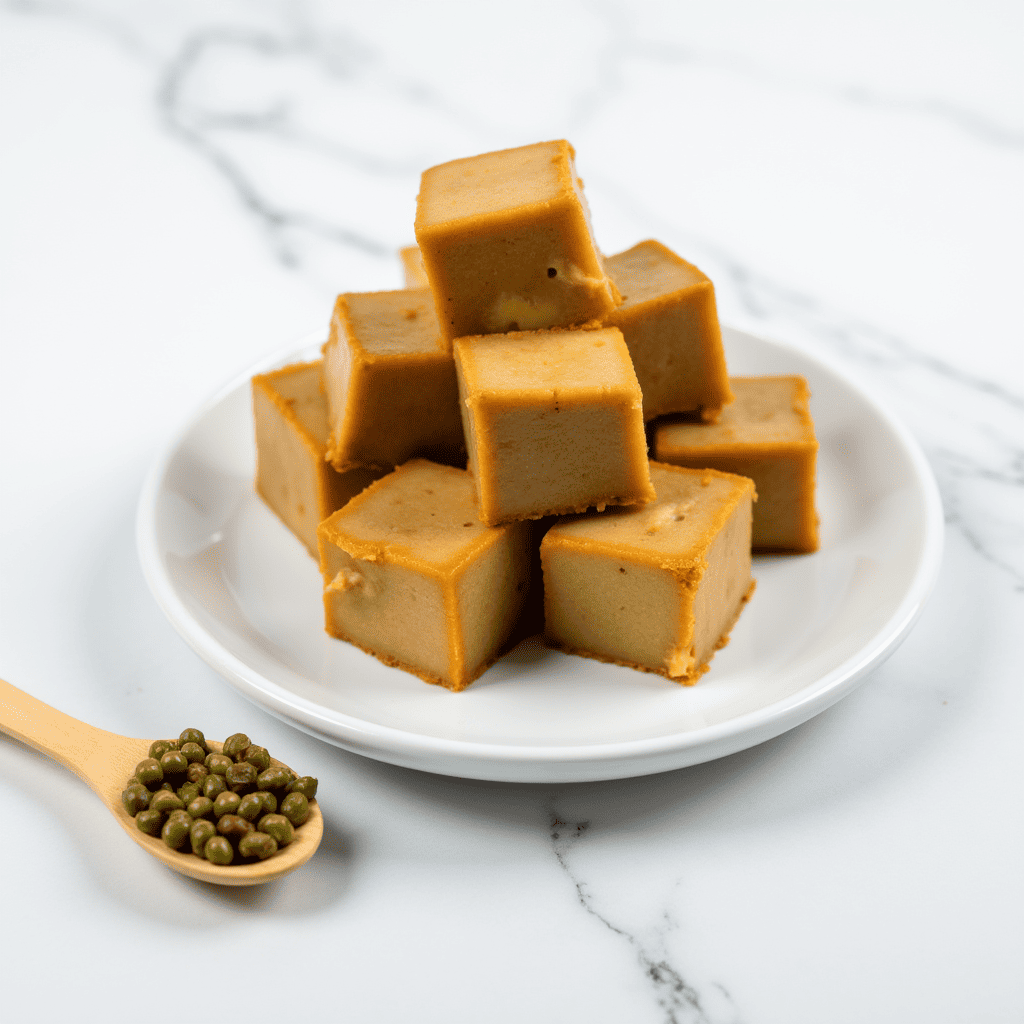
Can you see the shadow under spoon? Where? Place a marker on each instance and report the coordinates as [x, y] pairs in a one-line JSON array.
[[105, 761]]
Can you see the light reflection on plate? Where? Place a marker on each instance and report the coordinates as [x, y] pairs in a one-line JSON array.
[[246, 596]]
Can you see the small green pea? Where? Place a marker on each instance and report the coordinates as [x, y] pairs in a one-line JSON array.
[[276, 778], [278, 826], [149, 772], [258, 757], [213, 786], [158, 748], [150, 822], [175, 832], [164, 800], [168, 786], [174, 763], [233, 826], [193, 753], [188, 792], [235, 744], [218, 764], [295, 807], [226, 803], [306, 785], [240, 775], [135, 799], [192, 736], [269, 801], [201, 831], [257, 844], [201, 807], [251, 806], [218, 850], [196, 772]]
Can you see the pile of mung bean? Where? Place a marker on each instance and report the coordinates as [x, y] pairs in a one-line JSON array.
[[221, 805]]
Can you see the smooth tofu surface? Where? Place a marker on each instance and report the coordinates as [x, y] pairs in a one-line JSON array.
[[390, 323], [390, 382], [553, 422], [767, 433], [412, 265], [414, 578], [422, 515], [292, 476], [507, 244], [494, 183], [301, 388], [670, 322], [656, 588]]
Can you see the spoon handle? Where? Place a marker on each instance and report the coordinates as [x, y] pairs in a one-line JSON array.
[[68, 741]]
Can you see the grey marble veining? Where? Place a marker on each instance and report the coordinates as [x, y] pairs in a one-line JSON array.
[[679, 1001]]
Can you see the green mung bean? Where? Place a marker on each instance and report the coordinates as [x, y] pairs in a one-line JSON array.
[[193, 797]]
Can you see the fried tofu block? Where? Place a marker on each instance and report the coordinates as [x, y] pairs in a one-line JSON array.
[[390, 382], [412, 264], [670, 322], [507, 244], [292, 477], [768, 435], [657, 588], [414, 578], [552, 422]]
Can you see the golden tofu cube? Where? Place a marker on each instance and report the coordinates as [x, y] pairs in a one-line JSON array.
[[507, 244], [767, 434], [412, 265], [414, 578], [290, 414], [657, 588], [670, 322], [553, 422], [390, 383]]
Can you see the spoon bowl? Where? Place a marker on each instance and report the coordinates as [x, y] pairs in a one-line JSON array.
[[105, 761]]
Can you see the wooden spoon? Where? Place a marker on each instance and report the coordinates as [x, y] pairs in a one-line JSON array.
[[105, 761]]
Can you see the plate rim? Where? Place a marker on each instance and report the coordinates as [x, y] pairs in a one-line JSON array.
[[542, 762]]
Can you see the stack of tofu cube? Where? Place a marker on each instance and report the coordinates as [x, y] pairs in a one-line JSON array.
[[469, 461]]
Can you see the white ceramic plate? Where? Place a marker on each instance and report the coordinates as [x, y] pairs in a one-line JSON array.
[[246, 595]]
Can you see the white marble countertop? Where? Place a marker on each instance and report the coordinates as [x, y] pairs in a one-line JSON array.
[[185, 187]]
